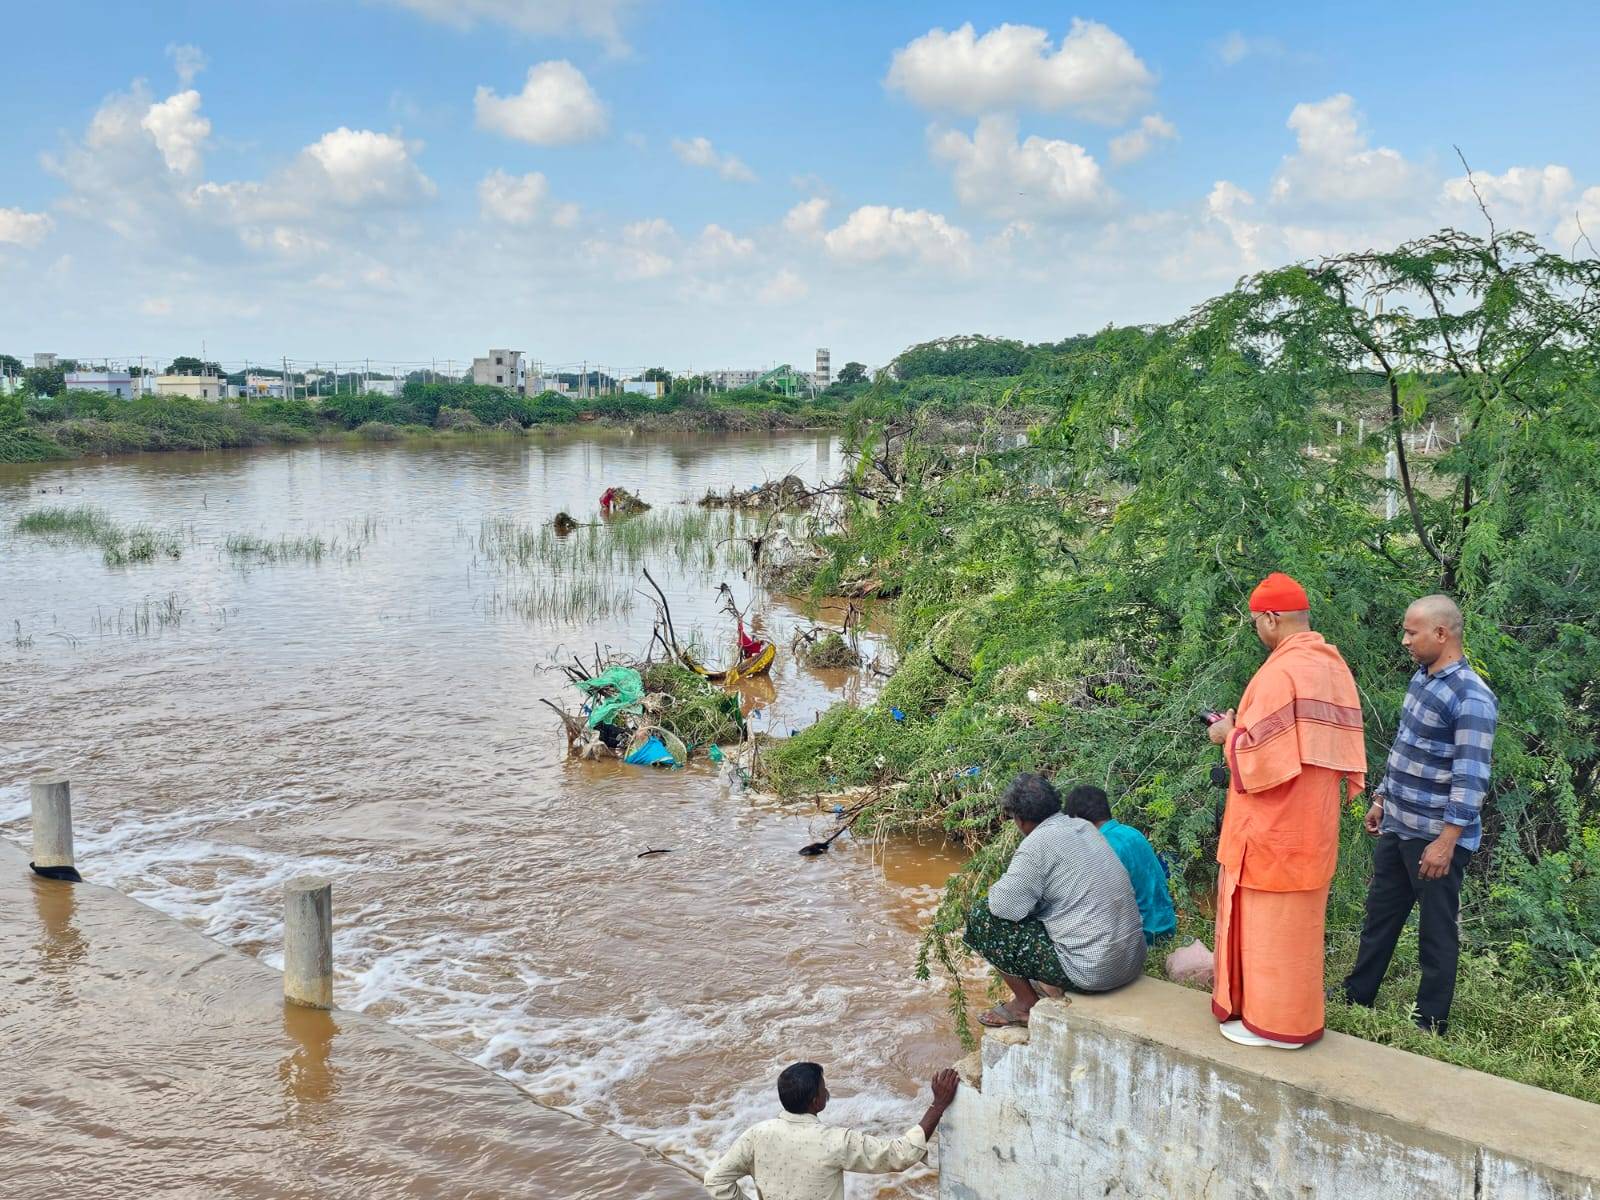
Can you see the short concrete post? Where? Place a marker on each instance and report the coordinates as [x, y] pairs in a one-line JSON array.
[[308, 942], [52, 829]]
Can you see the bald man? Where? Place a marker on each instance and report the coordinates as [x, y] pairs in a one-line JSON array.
[[1426, 812]]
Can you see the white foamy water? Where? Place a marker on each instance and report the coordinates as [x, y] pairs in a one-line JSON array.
[[370, 718]]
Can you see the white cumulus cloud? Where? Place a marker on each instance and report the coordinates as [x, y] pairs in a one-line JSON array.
[[1000, 177], [1524, 195], [556, 107], [1335, 167], [180, 132], [806, 218], [359, 167], [718, 243], [513, 199], [875, 232], [1141, 139], [21, 228], [699, 152], [1093, 73]]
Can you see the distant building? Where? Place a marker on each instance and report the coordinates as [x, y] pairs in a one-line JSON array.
[[382, 387], [549, 383], [823, 375], [115, 383], [725, 381], [43, 362], [196, 387], [645, 387], [262, 387], [500, 368]]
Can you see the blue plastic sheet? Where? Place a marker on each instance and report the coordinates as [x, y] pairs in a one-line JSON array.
[[653, 753]]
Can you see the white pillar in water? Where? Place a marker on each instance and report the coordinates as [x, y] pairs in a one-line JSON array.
[[52, 823], [308, 942]]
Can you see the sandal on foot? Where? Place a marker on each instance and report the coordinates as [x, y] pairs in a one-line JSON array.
[[1001, 1017]]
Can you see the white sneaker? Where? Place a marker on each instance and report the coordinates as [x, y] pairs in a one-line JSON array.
[[1235, 1031]]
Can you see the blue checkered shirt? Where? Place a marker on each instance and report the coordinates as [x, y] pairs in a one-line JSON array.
[[1438, 769]]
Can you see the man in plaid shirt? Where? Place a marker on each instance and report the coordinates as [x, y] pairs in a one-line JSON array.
[[1426, 812]]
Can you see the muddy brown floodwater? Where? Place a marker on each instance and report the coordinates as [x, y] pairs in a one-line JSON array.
[[374, 717]]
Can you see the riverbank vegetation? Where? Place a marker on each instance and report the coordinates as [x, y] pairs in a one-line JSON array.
[[35, 427], [1072, 603], [962, 379]]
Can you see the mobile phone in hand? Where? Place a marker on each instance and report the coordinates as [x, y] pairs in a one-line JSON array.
[[1210, 717]]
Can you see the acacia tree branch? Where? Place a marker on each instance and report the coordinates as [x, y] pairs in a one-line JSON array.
[[1399, 434]]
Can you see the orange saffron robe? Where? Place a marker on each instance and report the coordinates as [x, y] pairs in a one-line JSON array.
[[1296, 735]]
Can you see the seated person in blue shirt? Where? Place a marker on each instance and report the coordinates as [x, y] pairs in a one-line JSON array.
[[1149, 878]]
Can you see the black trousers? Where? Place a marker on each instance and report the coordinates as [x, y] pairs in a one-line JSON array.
[[1394, 889]]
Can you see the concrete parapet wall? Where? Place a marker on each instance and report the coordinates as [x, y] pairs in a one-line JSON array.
[[1135, 1094]]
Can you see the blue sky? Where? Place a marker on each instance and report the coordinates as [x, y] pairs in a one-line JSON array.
[[353, 178]]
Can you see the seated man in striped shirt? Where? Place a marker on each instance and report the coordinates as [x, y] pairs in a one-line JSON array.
[[1425, 812]]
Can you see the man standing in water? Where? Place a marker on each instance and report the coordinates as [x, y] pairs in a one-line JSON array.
[[1425, 812], [1297, 735], [796, 1157]]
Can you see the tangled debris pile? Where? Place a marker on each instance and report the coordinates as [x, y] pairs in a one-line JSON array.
[[620, 502], [829, 650], [788, 492], [647, 713]]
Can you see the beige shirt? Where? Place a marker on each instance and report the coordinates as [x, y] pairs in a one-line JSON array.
[[797, 1157]]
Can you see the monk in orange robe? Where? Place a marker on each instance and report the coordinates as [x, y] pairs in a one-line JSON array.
[[1296, 737]]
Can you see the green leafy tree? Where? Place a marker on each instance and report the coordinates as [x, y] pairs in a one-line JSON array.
[[44, 381], [1070, 604], [12, 414], [186, 364], [852, 373], [657, 375], [970, 355]]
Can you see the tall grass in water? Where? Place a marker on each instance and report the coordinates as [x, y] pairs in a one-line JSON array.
[[310, 548], [143, 619], [707, 540], [561, 602], [88, 526]]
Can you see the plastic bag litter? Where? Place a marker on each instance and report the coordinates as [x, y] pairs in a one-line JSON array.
[[629, 696], [653, 753], [1192, 964]]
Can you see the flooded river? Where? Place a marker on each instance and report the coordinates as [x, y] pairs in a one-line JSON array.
[[374, 716]]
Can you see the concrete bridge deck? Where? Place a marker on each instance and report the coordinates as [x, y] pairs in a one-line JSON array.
[[1134, 1094]]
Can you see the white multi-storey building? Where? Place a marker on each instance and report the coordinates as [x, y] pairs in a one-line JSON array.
[[823, 375], [115, 383], [500, 368]]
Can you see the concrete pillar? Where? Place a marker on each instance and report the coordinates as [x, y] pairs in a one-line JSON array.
[[52, 826], [308, 942]]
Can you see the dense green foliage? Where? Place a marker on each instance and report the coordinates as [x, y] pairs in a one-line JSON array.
[[1071, 604], [965, 357], [36, 425]]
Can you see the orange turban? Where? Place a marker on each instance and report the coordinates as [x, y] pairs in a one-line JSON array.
[[1278, 593]]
